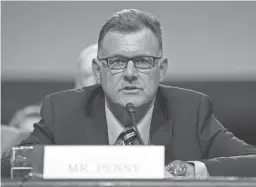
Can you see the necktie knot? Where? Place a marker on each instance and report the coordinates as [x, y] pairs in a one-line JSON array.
[[128, 136]]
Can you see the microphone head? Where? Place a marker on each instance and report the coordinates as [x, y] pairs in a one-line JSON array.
[[130, 108]]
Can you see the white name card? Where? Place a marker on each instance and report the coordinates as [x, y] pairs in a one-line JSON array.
[[103, 162]]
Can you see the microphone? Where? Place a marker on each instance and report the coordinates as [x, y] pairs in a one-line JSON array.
[[130, 108]]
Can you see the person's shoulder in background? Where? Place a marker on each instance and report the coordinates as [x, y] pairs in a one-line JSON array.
[[19, 127]]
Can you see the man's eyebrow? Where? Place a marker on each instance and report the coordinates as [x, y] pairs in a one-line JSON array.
[[123, 56]]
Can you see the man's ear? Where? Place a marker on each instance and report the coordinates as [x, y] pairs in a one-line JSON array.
[[163, 67], [96, 69]]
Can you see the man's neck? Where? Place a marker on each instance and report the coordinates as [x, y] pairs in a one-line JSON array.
[[121, 114]]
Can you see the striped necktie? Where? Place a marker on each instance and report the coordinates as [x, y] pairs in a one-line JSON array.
[[128, 137]]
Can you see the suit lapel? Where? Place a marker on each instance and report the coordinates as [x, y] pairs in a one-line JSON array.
[[161, 125]]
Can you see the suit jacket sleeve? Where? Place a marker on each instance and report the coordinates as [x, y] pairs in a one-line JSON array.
[[223, 153], [42, 134]]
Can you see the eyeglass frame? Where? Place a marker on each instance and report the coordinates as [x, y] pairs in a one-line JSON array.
[[130, 59]]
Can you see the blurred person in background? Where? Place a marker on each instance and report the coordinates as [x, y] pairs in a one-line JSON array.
[[21, 124], [25, 118], [85, 76], [8, 137]]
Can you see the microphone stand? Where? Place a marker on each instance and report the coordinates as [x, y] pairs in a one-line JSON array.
[[131, 111]]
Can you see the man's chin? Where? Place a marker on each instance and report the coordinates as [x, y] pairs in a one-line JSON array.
[[136, 102], [123, 100]]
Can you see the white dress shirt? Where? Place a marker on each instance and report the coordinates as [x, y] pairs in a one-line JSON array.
[[115, 128]]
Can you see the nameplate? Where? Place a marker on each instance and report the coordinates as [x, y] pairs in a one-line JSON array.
[[103, 162]]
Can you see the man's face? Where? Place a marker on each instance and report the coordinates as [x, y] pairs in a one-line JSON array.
[[130, 85]]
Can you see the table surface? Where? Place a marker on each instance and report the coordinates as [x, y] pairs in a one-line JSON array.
[[212, 182]]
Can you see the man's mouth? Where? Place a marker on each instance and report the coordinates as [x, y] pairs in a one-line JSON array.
[[130, 88]]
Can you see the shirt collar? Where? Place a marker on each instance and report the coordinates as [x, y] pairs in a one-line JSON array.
[[115, 127]]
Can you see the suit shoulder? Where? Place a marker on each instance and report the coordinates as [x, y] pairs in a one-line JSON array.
[[172, 91], [72, 95]]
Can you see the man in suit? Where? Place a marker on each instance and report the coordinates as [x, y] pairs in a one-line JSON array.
[[129, 67]]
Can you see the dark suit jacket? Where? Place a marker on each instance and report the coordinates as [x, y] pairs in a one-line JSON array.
[[182, 121]]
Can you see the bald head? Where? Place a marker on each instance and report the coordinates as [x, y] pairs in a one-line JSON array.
[[85, 75]]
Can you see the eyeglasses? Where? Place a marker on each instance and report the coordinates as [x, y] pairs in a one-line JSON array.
[[142, 62]]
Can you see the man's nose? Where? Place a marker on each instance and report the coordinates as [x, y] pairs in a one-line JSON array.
[[130, 72]]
